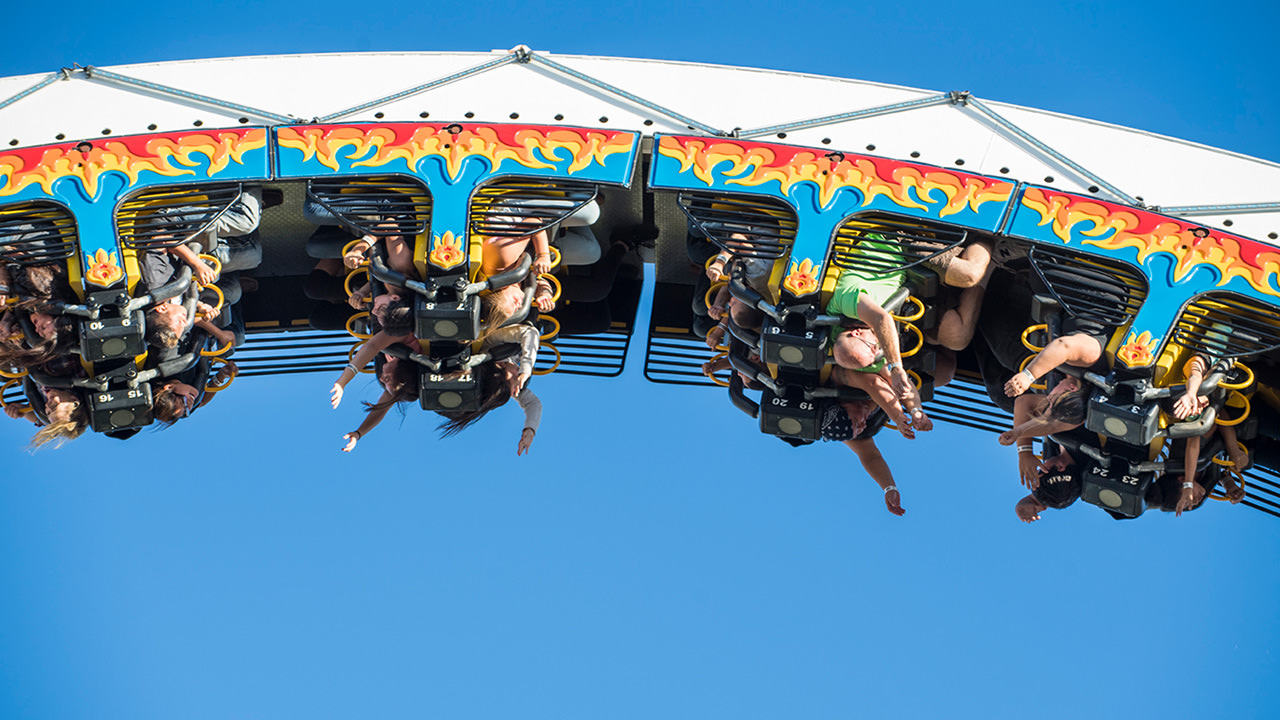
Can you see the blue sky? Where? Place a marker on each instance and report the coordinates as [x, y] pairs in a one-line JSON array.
[[654, 555]]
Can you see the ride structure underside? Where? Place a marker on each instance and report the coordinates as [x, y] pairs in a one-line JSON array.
[[810, 177]]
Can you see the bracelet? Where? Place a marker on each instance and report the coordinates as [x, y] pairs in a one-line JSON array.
[[356, 433], [893, 366], [353, 368], [1026, 449], [1030, 378], [535, 432], [891, 487], [1187, 485]]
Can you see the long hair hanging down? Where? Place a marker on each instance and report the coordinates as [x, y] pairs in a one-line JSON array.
[[495, 395]]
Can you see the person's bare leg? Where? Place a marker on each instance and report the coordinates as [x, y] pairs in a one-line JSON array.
[[970, 268], [956, 328]]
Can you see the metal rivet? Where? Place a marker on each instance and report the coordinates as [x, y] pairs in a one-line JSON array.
[[106, 131], [648, 122], [871, 147], [243, 121], [513, 116], [13, 141], [1004, 171], [468, 115], [1273, 236], [604, 119], [959, 161], [1228, 223], [424, 114], [152, 126], [198, 123], [782, 136], [1048, 178], [379, 115], [1093, 188], [559, 116], [59, 136], [915, 153], [826, 141]]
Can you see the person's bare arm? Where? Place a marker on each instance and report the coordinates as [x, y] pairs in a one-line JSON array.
[[367, 352], [205, 275], [876, 466], [886, 332], [542, 250], [1186, 405], [1079, 350], [1191, 490], [371, 420]]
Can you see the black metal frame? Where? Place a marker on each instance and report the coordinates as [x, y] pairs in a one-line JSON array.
[[910, 243], [518, 206], [165, 217], [377, 205], [1106, 292], [769, 224], [56, 240], [1250, 328]]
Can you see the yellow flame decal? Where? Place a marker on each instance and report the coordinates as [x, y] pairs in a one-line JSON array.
[[170, 156], [447, 252], [754, 165], [378, 146], [1138, 350], [802, 278], [1149, 233], [102, 269]]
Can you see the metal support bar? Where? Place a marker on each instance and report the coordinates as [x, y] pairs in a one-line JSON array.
[[514, 56], [95, 73], [53, 77], [626, 95], [1028, 138], [1221, 209], [853, 115]]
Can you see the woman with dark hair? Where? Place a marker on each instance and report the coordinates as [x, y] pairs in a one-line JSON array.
[[399, 380], [1039, 415], [502, 380], [173, 399]]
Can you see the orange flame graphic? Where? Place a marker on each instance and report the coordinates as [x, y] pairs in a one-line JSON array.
[[1148, 232], [1138, 350], [380, 145], [802, 278], [163, 155], [103, 269], [753, 164], [447, 252]]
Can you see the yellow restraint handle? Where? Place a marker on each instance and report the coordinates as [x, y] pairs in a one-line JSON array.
[[919, 313], [1026, 337], [555, 365]]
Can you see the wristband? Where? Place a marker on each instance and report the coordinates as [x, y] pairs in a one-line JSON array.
[[1187, 485], [353, 368], [891, 487], [893, 366], [1030, 378], [356, 433], [1026, 449]]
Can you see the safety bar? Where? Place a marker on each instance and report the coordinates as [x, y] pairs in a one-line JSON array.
[[739, 398]]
